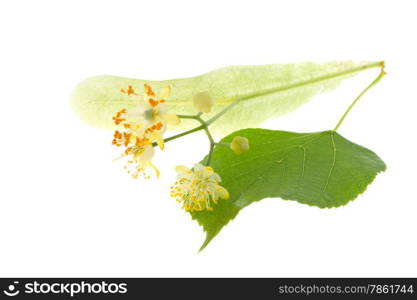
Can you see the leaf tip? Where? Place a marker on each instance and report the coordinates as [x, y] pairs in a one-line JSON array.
[[207, 241]]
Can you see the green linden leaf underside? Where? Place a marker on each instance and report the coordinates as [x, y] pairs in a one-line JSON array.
[[320, 169], [266, 91]]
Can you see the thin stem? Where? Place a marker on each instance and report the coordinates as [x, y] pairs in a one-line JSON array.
[[209, 135], [184, 133], [204, 124], [376, 80], [189, 116]]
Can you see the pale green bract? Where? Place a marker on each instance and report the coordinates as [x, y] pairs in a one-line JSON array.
[[320, 169], [266, 91]]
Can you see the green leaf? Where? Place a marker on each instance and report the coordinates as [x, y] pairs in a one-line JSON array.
[[267, 91], [320, 169]]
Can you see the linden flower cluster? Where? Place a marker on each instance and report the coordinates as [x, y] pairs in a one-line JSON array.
[[198, 188], [143, 125]]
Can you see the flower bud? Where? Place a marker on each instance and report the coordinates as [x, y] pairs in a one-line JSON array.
[[239, 145], [203, 102]]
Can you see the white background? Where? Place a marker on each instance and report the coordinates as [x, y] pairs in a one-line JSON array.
[[67, 210]]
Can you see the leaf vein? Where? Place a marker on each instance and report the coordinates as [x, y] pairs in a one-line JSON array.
[[333, 162]]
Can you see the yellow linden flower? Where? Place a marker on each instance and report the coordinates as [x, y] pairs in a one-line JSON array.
[[198, 188], [143, 125], [151, 116], [139, 153]]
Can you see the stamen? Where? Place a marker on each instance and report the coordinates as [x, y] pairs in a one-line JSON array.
[[148, 90], [153, 102], [130, 91], [119, 117]]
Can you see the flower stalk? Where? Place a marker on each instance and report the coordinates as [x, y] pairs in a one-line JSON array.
[[141, 131], [204, 126], [373, 83]]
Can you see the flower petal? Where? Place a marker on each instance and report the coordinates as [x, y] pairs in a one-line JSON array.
[[223, 193], [159, 141], [147, 153], [182, 169]]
